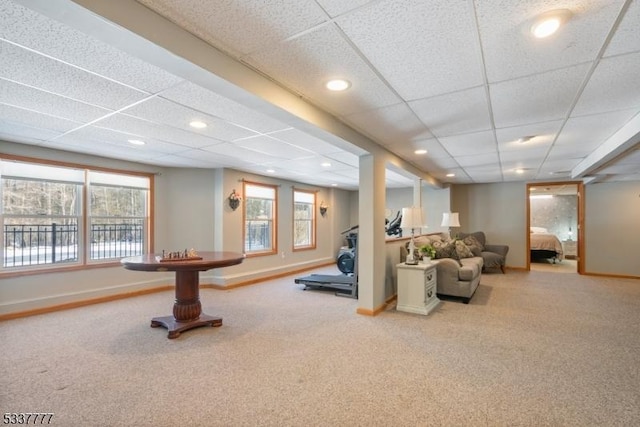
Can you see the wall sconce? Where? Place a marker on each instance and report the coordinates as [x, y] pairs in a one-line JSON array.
[[234, 200], [323, 208]]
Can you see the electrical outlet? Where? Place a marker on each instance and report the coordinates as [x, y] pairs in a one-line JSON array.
[[282, 254]]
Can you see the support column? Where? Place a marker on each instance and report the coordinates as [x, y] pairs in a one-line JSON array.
[[371, 235]]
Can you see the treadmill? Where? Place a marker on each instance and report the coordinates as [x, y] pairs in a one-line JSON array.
[[345, 284]]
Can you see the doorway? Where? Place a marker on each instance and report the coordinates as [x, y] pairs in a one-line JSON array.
[[555, 227]]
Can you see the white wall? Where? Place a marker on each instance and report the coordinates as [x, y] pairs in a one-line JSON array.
[[612, 222], [497, 209], [190, 212], [612, 228]]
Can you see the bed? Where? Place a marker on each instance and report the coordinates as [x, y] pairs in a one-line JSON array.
[[544, 245]]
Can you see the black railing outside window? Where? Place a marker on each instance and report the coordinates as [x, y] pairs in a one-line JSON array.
[[257, 236], [29, 244]]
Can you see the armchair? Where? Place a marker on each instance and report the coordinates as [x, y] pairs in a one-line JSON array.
[[494, 256]]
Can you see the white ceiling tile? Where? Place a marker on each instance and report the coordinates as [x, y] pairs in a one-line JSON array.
[[29, 98], [216, 105], [22, 117], [536, 98], [589, 132], [35, 70], [469, 144], [613, 86], [216, 159], [17, 132], [559, 166], [525, 158], [344, 158], [620, 168], [572, 151], [632, 158], [404, 31], [510, 51], [489, 159], [263, 23], [465, 111], [30, 29], [268, 145], [427, 52], [145, 129], [162, 111], [338, 7], [306, 63], [391, 125], [241, 153], [543, 135], [306, 141], [625, 39]]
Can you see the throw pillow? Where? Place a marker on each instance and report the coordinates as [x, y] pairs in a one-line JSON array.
[[474, 245], [445, 249], [462, 250]]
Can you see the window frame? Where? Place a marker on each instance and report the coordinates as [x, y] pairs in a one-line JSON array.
[[274, 219], [312, 220], [84, 261]]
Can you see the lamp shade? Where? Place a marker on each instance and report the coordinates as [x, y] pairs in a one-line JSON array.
[[412, 218], [450, 219]]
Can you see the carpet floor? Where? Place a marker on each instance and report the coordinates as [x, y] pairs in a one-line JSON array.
[[531, 349]]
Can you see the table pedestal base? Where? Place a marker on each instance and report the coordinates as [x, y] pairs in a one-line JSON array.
[[175, 328]]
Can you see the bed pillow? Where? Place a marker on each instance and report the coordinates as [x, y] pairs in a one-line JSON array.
[[538, 230]]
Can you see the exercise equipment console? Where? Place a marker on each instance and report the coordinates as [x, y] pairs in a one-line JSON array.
[[345, 284]]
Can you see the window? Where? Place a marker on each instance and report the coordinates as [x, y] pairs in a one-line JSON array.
[[304, 220], [48, 223], [117, 215], [259, 219]]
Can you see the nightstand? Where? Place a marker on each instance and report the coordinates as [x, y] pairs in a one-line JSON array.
[[417, 288], [570, 249]]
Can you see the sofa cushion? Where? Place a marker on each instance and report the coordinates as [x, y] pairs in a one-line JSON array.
[[470, 268], [492, 259]]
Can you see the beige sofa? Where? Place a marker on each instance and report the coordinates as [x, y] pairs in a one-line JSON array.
[[456, 276]]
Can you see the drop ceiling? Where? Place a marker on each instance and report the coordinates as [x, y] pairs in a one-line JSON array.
[[464, 80]]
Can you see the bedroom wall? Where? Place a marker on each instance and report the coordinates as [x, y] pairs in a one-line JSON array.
[[557, 215]]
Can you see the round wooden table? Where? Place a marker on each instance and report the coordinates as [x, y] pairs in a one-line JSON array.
[[187, 310]]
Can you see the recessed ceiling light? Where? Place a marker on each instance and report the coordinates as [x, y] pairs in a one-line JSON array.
[[271, 171], [450, 175], [198, 124], [136, 142], [422, 151], [334, 185], [325, 164], [337, 85], [549, 22], [524, 139]]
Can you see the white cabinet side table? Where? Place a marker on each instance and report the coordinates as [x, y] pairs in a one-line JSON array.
[[417, 288]]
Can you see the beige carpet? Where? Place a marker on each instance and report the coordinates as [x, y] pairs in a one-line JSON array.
[[564, 266], [531, 349]]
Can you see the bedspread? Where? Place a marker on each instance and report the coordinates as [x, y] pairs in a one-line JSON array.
[[547, 242]]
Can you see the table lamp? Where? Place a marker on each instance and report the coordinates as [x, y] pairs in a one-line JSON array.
[[411, 218], [450, 219]]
